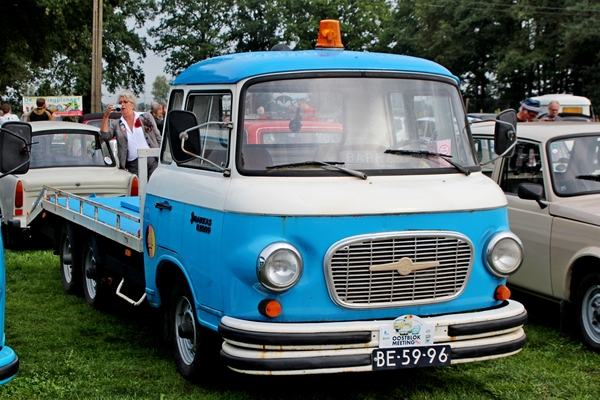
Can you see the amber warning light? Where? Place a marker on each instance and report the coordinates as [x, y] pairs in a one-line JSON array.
[[330, 36]]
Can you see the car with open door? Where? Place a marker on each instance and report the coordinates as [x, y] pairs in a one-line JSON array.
[[552, 186]]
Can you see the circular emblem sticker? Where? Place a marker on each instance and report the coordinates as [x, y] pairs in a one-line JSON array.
[[150, 241], [107, 160]]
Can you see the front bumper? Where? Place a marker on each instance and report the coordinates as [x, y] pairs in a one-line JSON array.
[[264, 348], [9, 364]]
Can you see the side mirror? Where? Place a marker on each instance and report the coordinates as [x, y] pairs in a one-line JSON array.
[[505, 133], [531, 191], [178, 122], [15, 138]]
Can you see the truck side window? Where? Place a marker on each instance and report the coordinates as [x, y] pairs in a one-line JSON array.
[[214, 138], [525, 166], [175, 103]]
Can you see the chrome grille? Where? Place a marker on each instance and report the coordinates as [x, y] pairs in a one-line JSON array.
[[352, 284]]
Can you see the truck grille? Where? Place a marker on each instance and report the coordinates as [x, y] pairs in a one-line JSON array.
[[353, 284]]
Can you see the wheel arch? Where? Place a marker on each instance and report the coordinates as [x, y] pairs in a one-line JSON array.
[[582, 267], [168, 273]]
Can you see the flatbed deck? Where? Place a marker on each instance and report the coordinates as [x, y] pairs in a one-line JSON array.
[[117, 218]]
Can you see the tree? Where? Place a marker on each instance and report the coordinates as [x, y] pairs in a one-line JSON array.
[[190, 31], [160, 89], [47, 44]]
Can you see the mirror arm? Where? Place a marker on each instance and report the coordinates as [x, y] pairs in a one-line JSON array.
[[542, 204], [183, 135], [228, 125]]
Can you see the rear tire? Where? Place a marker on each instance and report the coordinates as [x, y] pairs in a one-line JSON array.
[[69, 264], [187, 336], [587, 303], [94, 291]]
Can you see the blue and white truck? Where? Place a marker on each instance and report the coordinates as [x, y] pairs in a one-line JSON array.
[[15, 139], [299, 211]]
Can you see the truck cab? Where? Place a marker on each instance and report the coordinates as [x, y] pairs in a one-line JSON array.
[[308, 236]]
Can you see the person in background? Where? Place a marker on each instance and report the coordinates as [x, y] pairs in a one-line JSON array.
[[40, 113], [164, 109], [133, 131], [552, 114], [529, 110], [157, 112], [306, 110], [7, 114]]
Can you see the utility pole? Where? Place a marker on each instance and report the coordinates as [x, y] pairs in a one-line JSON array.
[[97, 57]]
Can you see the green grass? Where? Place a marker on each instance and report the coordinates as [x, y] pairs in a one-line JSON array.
[[69, 350]]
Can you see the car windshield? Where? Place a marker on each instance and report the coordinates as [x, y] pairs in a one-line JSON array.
[[377, 125], [69, 148], [575, 165]]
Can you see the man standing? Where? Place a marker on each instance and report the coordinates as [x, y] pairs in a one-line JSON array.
[[529, 110], [7, 115], [40, 113], [552, 114]]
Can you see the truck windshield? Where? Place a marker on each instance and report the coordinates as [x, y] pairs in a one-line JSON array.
[[364, 124]]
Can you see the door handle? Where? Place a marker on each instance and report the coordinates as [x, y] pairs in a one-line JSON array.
[[163, 205]]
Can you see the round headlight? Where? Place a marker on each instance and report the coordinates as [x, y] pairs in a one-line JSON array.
[[279, 266], [504, 254]]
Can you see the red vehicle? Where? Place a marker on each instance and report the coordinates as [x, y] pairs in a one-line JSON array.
[[271, 131]]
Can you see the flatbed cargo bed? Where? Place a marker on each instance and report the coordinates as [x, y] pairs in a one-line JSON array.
[[117, 218]]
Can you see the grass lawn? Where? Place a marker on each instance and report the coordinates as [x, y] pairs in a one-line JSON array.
[[69, 350]]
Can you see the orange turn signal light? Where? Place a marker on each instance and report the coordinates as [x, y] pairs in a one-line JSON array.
[[330, 35], [502, 293], [269, 308]]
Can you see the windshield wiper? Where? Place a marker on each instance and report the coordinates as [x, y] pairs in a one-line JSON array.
[[426, 153], [591, 177], [321, 164]]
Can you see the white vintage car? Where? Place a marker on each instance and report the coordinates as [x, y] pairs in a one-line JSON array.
[[67, 156], [552, 185]]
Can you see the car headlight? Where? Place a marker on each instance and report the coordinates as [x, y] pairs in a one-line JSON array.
[[504, 254], [279, 266]]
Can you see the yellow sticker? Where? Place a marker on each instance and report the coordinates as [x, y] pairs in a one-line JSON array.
[[150, 241]]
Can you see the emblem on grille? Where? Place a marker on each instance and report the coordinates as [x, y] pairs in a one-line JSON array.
[[404, 266]]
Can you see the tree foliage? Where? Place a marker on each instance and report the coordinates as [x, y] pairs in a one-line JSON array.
[[503, 50], [160, 89], [46, 45]]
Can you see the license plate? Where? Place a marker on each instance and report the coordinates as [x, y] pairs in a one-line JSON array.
[[411, 357]]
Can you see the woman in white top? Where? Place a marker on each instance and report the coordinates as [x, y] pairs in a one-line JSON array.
[[133, 131]]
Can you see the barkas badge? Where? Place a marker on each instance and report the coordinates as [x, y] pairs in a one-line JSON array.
[[406, 331]]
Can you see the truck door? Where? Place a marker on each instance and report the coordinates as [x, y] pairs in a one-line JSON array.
[[187, 212]]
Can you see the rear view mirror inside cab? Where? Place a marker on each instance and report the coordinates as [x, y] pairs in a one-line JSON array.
[[15, 139], [183, 143], [505, 133]]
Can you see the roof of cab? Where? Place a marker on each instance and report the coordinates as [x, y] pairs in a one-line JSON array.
[[232, 68]]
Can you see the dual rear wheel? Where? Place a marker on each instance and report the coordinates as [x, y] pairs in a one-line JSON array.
[[78, 267]]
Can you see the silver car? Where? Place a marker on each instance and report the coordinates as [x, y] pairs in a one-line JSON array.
[[552, 186], [67, 156]]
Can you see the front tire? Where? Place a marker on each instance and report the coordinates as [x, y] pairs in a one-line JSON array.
[[69, 267], [587, 303], [186, 334]]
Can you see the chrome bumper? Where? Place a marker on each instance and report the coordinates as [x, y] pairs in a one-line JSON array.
[[264, 348]]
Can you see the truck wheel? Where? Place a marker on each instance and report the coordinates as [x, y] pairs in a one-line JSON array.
[[95, 293], [587, 301], [186, 333], [69, 270]]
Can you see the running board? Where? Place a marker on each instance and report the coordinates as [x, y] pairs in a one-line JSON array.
[[127, 299]]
